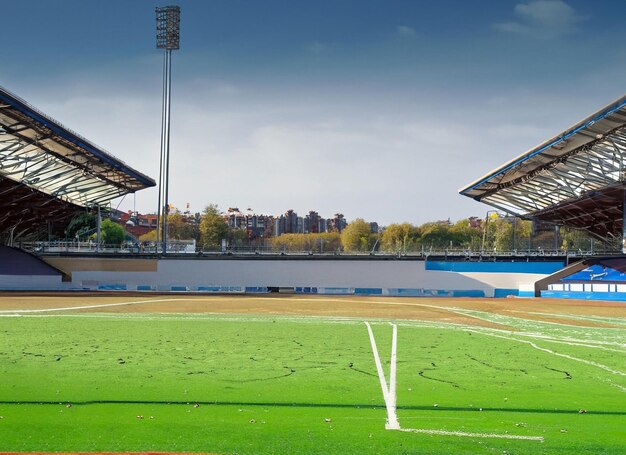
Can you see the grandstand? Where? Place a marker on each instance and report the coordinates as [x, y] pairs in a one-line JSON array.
[[48, 172], [576, 179]]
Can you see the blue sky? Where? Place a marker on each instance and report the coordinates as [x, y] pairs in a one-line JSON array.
[[376, 109]]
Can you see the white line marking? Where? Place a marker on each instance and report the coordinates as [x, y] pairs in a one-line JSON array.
[[390, 400], [88, 307], [389, 395], [472, 435], [379, 367], [583, 317], [392, 375], [585, 345], [549, 351]]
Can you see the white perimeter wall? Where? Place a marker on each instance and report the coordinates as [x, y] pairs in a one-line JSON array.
[[193, 273], [30, 282]]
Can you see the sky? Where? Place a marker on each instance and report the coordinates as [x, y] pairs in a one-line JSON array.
[[380, 110]]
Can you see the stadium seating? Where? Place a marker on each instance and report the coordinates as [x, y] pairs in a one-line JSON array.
[[602, 279]]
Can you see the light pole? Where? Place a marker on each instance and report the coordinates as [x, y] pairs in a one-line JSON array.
[[167, 38]]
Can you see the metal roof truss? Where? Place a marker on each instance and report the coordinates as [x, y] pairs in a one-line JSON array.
[[47, 165], [596, 165]]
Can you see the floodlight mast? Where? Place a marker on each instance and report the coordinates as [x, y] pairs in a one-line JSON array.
[[167, 38]]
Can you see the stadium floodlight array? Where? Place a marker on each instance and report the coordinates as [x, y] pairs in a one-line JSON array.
[[167, 38], [168, 27]]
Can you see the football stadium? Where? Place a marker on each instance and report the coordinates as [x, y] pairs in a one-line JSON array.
[[133, 351]]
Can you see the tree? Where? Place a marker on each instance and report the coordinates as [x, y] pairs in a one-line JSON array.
[[111, 233], [213, 227], [507, 233], [523, 232], [314, 242], [503, 234], [149, 236], [399, 238], [435, 235], [237, 237], [179, 228], [356, 236], [80, 225], [575, 239], [463, 235]]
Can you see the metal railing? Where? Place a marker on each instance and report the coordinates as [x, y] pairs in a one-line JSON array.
[[187, 248]]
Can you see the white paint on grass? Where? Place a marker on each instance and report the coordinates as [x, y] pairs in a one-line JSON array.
[[390, 401], [583, 344], [389, 395], [85, 307], [549, 351], [472, 435], [589, 318], [392, 373]]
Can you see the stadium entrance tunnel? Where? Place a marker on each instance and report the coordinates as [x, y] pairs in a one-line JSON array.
[[281, 289]]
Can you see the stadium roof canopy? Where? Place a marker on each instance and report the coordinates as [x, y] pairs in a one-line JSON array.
[[48, 172], [574, 179]]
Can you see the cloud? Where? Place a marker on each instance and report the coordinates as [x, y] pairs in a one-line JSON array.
[[542, 18], [364, 156], [405, 30]]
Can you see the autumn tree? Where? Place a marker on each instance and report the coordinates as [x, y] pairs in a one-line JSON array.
[[507, 233], [575, 239], [179, 228], [503, 234], [150, 236], [213, 227], [523, 233], [356, 236], [399, 238], [436, 235], [463, 235], [315, 243]]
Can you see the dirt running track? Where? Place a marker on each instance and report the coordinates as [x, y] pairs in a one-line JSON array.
[[404, 308]]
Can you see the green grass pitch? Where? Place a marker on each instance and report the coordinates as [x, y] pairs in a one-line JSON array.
[[254, 385]]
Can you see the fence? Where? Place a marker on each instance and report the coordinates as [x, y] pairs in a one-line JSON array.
[[186, 247]]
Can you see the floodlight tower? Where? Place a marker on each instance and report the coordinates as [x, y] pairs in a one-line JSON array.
[[167, 38]]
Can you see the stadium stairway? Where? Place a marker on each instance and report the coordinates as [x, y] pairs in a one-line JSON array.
[[543, 284]]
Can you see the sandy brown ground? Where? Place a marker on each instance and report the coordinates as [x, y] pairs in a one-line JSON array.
[[419, 309]]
